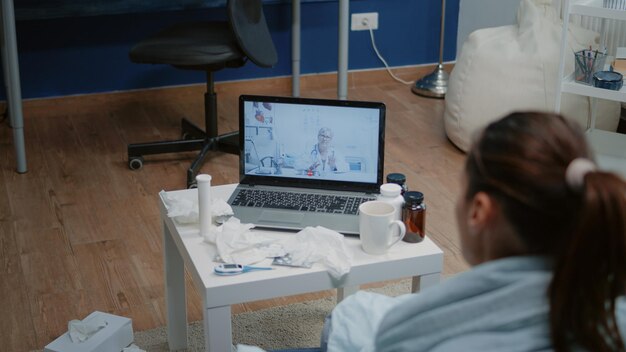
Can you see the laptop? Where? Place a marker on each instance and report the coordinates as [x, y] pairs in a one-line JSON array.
[[307, 162]]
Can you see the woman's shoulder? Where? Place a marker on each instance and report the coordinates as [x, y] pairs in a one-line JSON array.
[[505, 297]]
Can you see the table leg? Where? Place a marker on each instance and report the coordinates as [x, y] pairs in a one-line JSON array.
[[218, 335], [174, 293], [342, 70], [295, 48], [343, 292], [12, 77], [420, 282]]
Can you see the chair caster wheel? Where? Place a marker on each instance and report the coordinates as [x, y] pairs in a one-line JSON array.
[[135, 163]]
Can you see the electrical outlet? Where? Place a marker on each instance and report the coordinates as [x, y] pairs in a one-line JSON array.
[[360, 21]]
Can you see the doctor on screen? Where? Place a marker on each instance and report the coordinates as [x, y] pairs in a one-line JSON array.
[[324, 158]]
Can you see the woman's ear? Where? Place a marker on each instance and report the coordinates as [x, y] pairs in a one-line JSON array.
[[481, 212]]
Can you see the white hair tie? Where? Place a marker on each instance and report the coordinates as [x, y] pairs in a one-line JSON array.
[[576, 171]]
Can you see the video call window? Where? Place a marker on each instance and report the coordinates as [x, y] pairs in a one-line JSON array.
[[311, 141]]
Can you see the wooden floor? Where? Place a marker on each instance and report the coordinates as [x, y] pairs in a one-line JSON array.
[[81, 232]]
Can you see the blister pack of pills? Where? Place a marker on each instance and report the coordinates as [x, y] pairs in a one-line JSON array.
[[286, 260]]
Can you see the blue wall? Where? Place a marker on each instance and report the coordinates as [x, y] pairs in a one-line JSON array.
[[83, 55]]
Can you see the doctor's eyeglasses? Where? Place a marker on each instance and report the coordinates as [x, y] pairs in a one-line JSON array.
[[325, 136]]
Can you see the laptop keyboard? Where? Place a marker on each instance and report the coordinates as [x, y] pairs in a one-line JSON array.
[[319, 203]]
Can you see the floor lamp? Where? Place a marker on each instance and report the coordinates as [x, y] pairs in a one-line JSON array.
[[435, 84]]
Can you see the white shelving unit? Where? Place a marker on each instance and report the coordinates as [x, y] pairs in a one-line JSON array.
[[609, 147]]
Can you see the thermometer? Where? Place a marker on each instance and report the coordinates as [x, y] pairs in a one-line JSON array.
[[236, 269]]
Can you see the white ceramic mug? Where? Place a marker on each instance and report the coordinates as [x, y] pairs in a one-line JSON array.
[[378, 228]]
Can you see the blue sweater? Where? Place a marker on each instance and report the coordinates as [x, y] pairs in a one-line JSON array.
[[500, 305]]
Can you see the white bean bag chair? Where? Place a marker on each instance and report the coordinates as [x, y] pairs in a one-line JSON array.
[[512, 68]]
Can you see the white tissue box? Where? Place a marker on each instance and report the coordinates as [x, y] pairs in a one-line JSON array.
[[117, 334]]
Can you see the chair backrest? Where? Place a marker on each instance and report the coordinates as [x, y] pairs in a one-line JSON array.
[[248, 23]]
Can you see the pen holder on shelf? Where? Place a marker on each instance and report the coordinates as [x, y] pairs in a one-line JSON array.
[[586, 63]]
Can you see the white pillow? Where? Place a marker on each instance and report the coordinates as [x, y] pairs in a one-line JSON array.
[[512, 68]]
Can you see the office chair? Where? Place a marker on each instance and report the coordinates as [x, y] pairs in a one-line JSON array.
[[206, 46]]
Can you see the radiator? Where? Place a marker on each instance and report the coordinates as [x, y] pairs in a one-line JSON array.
[[615, 30]]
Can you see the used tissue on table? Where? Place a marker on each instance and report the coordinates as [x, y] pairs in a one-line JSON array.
[[183, 207], [320, 245], [237, 244]]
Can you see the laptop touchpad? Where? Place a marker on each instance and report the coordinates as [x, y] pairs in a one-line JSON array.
[[277, 216]]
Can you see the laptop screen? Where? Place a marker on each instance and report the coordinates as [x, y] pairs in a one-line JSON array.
[[311, 142]]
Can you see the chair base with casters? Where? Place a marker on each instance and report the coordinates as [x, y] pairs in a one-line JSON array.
[[192, 138]]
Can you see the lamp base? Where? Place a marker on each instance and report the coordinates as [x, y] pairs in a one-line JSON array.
[[433, 85]]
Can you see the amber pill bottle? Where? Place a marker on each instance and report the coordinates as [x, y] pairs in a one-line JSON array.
[[414, 217]]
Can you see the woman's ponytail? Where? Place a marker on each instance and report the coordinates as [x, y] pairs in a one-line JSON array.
[[590, 272]]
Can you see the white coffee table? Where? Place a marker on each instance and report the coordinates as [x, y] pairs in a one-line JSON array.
[[183, 246]]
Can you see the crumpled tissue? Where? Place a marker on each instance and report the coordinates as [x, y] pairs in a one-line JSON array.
[[237, 244], [320, 245], [183, 207], [80, 331], [248, 348]]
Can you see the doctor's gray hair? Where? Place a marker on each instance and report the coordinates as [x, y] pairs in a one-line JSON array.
[[326, 131]]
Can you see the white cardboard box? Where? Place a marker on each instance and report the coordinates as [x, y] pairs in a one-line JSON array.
[[117, 334]]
